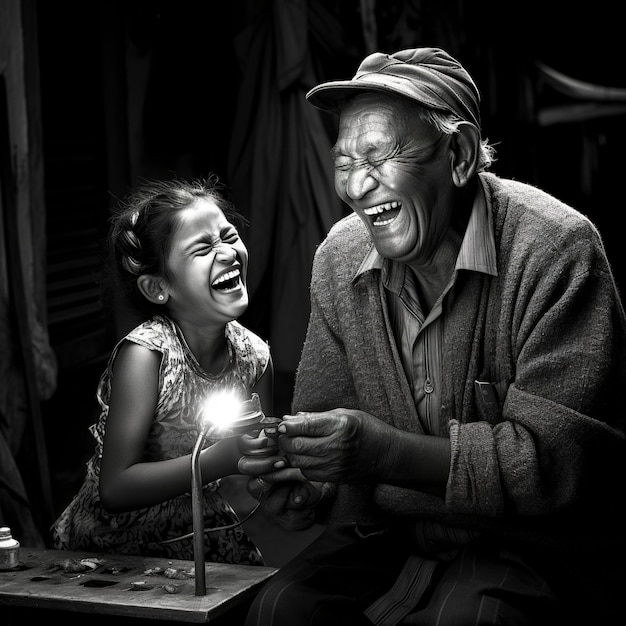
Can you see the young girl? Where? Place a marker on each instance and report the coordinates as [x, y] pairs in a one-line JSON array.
[[177, 256]]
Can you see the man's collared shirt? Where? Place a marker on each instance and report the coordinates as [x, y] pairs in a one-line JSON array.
[[419, 337]]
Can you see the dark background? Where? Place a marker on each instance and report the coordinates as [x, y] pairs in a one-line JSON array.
[[151, 89]]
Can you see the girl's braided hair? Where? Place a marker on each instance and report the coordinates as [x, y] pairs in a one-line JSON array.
[[140, 233]]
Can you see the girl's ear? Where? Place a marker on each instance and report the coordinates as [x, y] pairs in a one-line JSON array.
[[153, 288], [466, 146]]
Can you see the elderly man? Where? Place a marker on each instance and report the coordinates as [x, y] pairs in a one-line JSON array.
[[459, 405]]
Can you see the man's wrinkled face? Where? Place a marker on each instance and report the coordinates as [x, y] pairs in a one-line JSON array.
[[394, 171]]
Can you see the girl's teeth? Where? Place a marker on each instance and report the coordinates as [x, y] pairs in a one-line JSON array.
[[225, 277]]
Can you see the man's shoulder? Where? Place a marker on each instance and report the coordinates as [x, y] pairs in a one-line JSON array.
[[348, 226], [343, 249], [348, 233], [526, 207], [534, 228]]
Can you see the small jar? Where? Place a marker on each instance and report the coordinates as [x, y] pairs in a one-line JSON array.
[[9, 549]]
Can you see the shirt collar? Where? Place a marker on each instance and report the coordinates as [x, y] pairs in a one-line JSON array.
[[478, 248]]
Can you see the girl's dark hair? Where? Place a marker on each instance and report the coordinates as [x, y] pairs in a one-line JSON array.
[[140, 234]]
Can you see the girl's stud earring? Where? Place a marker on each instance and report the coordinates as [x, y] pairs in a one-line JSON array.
[[161, 297]]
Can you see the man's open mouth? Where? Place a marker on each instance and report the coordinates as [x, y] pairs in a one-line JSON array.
[[383, 214]]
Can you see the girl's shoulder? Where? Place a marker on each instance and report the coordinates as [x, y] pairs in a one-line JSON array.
[[157, 333], [246, 343]]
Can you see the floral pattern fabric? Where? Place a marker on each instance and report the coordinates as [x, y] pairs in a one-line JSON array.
[[183, 386]]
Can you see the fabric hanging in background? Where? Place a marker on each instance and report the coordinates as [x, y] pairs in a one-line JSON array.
[[279, 165]]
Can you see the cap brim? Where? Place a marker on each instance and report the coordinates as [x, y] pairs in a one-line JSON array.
[[329, 96]]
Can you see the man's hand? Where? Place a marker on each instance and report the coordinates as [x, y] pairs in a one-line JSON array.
[[351, 446], [291, 504], [285, 494], [338, 446]]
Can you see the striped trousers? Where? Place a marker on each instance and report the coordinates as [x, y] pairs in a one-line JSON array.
[[348, 578]]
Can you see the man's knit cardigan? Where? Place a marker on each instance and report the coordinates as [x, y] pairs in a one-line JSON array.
[[545, 464]]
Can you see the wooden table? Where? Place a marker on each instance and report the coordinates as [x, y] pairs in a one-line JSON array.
[[127, 586]]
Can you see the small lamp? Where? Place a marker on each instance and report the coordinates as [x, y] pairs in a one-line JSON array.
[[223, 415]]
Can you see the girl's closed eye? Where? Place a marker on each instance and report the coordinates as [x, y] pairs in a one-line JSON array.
[[230, 235], [202, 248], [204, 245]]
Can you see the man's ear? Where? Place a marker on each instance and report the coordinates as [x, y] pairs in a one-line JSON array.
[[153, 288], [466, 144]]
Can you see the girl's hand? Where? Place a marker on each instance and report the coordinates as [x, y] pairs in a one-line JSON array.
[[258, 455], [253, 446]]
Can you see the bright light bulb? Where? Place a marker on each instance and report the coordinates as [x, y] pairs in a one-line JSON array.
[[220, 410]]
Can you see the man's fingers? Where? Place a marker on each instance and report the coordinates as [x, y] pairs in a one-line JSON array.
[[306, 424], [257, 487]]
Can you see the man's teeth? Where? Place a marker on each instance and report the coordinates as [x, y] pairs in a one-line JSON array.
[[225, 278], [387, 206], [376, 213]]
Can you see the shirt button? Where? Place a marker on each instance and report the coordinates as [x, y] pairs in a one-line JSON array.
[[428, 386]]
